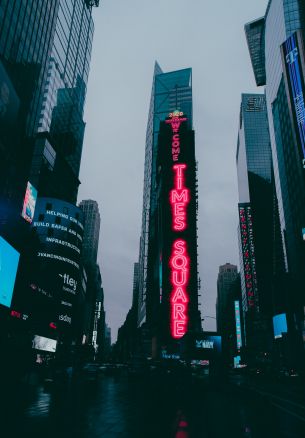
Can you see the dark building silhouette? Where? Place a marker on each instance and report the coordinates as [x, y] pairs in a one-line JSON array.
[[276, 44], [94, 321], [226, 277], [261, 254]]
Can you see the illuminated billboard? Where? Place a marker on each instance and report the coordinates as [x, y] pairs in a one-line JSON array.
[[293, 61], [9, 259], [248, 254], [29, 203], [238, 325], [179, 198], [173, 251], [59, 227], [44, 344], [279, 325]]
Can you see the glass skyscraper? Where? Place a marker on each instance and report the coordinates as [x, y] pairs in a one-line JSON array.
[[259, 233], [170, 91], [284, 19], [58, 148], [26, 37]]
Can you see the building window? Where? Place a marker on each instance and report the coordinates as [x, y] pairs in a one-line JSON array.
[[48, 206], [41, 218], [58, 220]]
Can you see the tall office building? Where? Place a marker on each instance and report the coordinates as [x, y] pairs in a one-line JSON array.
[[92, 221], [228, 312], [162, 316], [226, 277], [259, 233], [94, 302], [45, 50], [58, 147], [276, 45], [26, 38], [170, 91]]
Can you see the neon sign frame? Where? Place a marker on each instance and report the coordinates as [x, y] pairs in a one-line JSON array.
[[179, 198]]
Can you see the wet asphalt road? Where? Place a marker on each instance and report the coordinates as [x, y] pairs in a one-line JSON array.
[[143, 408]]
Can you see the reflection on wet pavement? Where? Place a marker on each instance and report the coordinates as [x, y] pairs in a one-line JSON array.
[[146, 408]]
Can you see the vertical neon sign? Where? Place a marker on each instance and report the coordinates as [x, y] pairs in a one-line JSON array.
[[238, 325], [249, 263], [179, 198]]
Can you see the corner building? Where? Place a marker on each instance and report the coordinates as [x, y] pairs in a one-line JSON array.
[[170, 92], [276, 45], [172, 301], [263, 276]]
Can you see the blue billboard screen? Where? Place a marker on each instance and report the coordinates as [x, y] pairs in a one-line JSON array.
[[238, 325], [29, 203], [293, 67], [279, 325], [9, 259]]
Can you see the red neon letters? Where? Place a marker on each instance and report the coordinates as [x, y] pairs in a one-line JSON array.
[[179, 198], [179, 263], [175, 120], [179, 260]]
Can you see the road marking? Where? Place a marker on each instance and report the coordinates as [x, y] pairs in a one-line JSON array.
[[288, 411]]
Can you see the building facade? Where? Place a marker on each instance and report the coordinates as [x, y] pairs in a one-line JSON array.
[[280, 52], [263, 273], [94, 319], [170, 91], [58, 146], [226, 277]]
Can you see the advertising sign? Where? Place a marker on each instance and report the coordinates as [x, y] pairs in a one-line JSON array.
[[294, 76], [209, 343], [29, 203], [238, 325], [44, 344], [248, 254], [9, 259], [279, 325], [179, 198]]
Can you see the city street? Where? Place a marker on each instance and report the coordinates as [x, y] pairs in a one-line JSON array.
[[123, 407]]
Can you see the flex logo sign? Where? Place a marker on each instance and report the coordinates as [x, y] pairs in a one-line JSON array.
[[70, 284]]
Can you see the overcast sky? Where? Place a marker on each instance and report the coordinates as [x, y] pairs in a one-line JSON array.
[[129, 36]]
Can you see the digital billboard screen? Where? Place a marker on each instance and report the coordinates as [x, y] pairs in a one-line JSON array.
[[209, 342], [294, 76], [279, 325], [44, 344], [29, 203], [9, 259], [237, 325]]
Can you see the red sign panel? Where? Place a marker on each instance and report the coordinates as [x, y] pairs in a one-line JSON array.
[[249, 264]]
